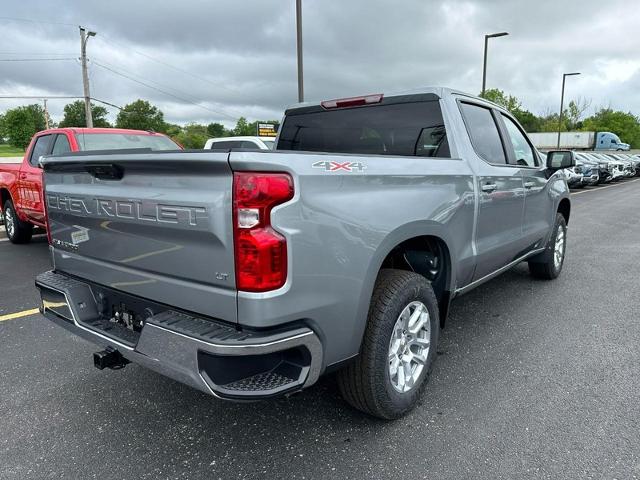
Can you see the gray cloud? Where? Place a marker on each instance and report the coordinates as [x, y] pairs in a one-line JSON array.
[[243, 53]]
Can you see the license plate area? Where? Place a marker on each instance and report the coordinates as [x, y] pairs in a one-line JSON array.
[[121, 316]]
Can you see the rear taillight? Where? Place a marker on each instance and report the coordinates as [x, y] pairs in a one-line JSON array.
[[260, 251]]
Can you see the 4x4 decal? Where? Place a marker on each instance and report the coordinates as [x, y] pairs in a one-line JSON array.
[[329, 166]]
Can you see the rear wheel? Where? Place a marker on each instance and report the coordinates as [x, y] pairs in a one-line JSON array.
[[398, 348], [17, 230], [548, 264]]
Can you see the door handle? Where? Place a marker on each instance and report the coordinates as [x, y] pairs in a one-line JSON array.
[[489, 187], [529, 185]]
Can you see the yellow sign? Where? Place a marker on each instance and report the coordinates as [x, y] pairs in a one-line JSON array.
[[267, 130]]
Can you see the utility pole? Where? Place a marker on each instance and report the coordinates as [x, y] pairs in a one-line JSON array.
[[564, 77], [84, 38], [484, 66], [46, 114], [299, 47]]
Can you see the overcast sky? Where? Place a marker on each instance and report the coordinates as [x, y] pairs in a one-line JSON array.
[[237, 57]]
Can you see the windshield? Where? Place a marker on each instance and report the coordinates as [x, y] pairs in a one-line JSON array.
[[119, 141]]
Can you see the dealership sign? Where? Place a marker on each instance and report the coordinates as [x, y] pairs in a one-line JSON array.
[[267, 130]]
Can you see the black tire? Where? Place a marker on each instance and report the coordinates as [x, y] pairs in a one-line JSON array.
[[17, 230], [366, 383], [544, 265]]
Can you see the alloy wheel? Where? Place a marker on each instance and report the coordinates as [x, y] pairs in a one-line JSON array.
[[409, 346], [558, 253], [9, 222]]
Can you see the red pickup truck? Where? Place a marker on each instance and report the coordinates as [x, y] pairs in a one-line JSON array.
[[21, 183]]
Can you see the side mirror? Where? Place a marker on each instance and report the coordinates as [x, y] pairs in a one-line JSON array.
[[558, 159]]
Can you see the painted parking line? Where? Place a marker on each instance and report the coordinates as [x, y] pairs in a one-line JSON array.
[[597, 189], [24, 313], [5, 239]]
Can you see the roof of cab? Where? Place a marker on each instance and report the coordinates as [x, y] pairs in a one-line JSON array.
[[439, 92], [88, 131]]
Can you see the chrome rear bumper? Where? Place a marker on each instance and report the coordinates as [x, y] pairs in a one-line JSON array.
[[212, 356]]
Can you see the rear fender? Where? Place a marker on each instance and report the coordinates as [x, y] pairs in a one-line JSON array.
[[396, 237]]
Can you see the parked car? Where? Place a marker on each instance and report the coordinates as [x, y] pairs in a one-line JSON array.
[[615, 167], [635, 159], [250, 274], [629, 166], [227, 143], [589, 170], [574, 176], [21, 183], [604, 171]]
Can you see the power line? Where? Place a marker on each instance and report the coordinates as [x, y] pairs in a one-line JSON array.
[[148, 80], [175, 90], [163, 91], [39, 97], [37, 54], [28, 20], [35, 59], [173, 67]]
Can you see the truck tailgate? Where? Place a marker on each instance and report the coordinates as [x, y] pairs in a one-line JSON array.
[[156, 225]]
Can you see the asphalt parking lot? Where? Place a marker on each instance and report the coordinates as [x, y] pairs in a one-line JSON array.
[[534, 380]]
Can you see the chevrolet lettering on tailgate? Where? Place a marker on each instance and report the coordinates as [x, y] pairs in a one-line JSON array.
[[126, 209]]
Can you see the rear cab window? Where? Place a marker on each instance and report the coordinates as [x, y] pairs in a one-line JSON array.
[[229, 144], [392, 127]]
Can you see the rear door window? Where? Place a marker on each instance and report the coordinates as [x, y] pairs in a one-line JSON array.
[[483, 133], [407, 129], [40, 148], [61, 145]]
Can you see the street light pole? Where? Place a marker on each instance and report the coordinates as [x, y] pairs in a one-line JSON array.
[[299, 49], [484, 67], [84, 38], [564, 77]]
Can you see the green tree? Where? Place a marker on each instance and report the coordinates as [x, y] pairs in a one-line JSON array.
[[141, 115], [172, 129], [529, 121], [20, 124], [74, 115], [192, 135], [244, 128], [215, 130], [549, 123], [509, 102], [624, 124]]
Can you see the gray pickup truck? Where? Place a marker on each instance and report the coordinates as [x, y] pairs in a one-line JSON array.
[[248, 274]]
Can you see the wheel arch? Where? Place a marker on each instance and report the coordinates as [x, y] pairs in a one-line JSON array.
[[564, 208], [4, 196], [399, 239]]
